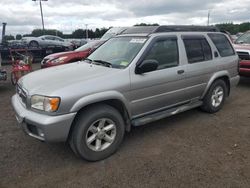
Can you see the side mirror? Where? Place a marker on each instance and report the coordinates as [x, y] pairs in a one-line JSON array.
[[146, 66]]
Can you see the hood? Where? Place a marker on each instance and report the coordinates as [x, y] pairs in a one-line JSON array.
[[60, 54], [49, 81], [242, 46]]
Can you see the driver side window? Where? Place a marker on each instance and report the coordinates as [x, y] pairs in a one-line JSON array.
[[49, 38], [164, 51]]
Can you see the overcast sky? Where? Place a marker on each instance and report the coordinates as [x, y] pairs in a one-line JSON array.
[[23, 16]]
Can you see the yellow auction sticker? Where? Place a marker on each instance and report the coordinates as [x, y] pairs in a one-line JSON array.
[[124, 63]]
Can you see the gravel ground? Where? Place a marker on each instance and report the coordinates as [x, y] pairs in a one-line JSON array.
[[192, 149]]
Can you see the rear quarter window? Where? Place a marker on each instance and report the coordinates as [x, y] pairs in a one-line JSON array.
[[222, 44]]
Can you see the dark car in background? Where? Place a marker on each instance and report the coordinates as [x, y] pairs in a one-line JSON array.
[[71, 56]]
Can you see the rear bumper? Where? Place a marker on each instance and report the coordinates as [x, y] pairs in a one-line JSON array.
[[245, 72], [245, 68], [43, 127]]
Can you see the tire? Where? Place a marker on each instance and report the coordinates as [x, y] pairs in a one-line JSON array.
[[98, 132], [215, 97], [13, 78], [33, 44]]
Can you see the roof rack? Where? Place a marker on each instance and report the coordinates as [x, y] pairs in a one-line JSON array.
[[169, 28]]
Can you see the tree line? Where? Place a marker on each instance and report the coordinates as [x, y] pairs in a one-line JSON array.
[[97, 33], [77, 34], [234, 28]]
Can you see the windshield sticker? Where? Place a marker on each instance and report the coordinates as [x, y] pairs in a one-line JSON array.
[[124, 63], [140, 41]]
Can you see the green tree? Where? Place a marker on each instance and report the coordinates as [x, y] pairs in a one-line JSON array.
[[230, 27], [243, 27], [18, 37], [9, 37], [91, 33], [97, 33], [144, 24], [79, 34]]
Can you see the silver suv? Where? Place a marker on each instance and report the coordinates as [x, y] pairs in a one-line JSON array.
[[145, 75]]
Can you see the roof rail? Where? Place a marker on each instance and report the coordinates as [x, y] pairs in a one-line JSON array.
[[169, 28], [140, 30]]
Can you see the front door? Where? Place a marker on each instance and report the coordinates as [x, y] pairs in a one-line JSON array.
[[160, 89]]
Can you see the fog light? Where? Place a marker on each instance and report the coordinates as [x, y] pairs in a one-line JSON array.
[[40, 132]]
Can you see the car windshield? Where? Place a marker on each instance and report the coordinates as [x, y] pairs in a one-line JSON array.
[[87, 46], [118, 52], [243, 39]]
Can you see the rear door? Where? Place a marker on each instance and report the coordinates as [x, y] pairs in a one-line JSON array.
[[200, 63], [50, 41]]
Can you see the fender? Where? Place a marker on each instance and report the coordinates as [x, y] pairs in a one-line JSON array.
[[99, 97], [213, 78]]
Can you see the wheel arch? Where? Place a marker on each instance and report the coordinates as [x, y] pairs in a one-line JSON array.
[[223, 75], [34, 41], [116, 100]]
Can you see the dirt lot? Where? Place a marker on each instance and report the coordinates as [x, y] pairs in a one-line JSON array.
[[192, 149]]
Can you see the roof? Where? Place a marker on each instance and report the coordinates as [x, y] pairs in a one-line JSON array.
[[169, 28]]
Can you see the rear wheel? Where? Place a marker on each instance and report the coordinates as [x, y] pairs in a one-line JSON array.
[[215, 97], [33, 44], [14, 78], [98, 132]]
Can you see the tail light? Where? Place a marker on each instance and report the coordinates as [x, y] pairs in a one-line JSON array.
[[239, 60]]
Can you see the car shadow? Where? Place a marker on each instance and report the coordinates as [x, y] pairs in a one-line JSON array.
[[244, 82]]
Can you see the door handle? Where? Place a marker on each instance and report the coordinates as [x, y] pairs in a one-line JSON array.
[[180, 71]]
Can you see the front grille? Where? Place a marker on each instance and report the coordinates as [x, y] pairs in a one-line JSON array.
[[244, 55], [22, 94]]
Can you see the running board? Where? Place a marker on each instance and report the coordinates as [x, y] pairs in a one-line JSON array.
[[166, 113]]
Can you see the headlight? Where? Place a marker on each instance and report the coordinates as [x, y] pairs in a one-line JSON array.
[[48, 104], [59, 60]]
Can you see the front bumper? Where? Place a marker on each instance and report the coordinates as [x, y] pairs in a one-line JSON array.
[[40, 126]]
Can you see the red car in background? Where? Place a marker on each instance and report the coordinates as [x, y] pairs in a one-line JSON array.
[[71, 56], [242, 47]]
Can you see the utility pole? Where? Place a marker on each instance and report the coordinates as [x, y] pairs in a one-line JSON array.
[[87, 34], [41, 9], [3, 31], [208, 18]]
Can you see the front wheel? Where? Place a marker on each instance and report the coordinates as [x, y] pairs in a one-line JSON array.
[[98, 132], [215, 97]]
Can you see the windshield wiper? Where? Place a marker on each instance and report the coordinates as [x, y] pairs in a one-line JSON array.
[[90, 60], [105, 63]]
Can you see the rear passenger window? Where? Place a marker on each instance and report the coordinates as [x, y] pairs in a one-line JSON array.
[[222, 44], [165, 51], [197, 49]]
